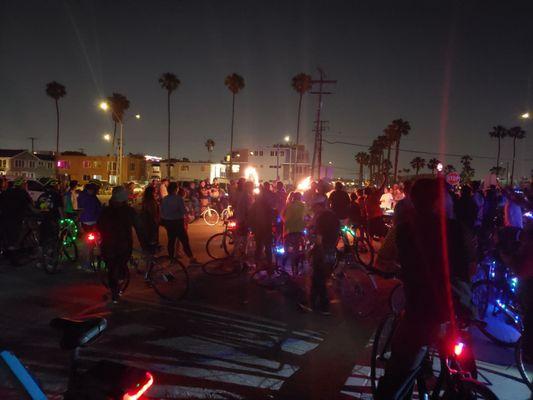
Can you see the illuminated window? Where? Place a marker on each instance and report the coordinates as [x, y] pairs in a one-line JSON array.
[[63, 164], [87, 164], [97, 164]]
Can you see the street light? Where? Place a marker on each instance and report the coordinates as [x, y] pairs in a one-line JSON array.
[[138, 116], [287, 139], [107, 137], [439, 167], [104, 106], [525, 115]]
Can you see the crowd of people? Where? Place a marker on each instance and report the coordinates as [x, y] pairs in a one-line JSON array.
[[438, 235]]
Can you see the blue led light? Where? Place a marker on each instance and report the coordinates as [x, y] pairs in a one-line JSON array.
[[280, 250]]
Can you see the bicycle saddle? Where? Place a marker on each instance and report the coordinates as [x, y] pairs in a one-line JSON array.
[[78, 332]]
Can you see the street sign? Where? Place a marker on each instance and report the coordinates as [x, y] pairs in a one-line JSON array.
[[453, 178]]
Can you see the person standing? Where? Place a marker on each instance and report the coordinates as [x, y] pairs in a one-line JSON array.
[[150, 216], [173, 219], [261, 219], [339, 202], [386, 200], [115, 227], [70, 199], [163, 189]]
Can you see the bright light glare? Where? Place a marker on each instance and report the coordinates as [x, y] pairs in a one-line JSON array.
[[256, 190], [287, 138], [91, 237], [104, 106], [439, 167], [250, 174], [304, 185], [458, 348], [528, 214], [138, 116], [107, 137], [525, 115]]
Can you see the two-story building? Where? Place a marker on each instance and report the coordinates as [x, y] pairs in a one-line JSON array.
[[272, 163], [26, 164], [82, 167]]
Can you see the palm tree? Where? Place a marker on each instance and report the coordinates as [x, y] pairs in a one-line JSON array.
[[468, 172], [401, 128], [210, 145], [417, 163], [118, 104], [449, 168], [234, 83], [498, 132], [301, 83], [516, 133], [390, 134], [432, 165], [170, 83], [362, 159], [56, 91]]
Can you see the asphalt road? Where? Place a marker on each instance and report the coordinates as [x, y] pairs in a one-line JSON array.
[[229, 339]]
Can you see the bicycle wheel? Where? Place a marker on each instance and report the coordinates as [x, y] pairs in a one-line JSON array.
[[525, 369], [501, 326], [357, 292], [397, 299], [381, 349], [270, 280], [169, 279], [211, 216], [69, 250], [223, 267], [124, 277], [219, 245], [466, 389], [364, 252]]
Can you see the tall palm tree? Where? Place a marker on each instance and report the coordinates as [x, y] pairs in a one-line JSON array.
[[468, 172], [515, 133], [170, 83], [390, 134], [234, 83], [118, 104], [432, 165], [301, 83], [210, 146], [56, 91], [362, 159], [417, 163], [449, 168], [385, 143], [498, 132], [401, 128]]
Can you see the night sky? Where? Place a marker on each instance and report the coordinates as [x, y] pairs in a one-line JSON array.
[[453, 69]]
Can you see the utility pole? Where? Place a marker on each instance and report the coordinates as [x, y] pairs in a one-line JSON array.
[[33, 139], [317, 150]]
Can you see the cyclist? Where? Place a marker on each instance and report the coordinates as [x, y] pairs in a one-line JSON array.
[[150, 216], [326, 226], [374, 214], [15, 205], [70, 199], [262, 215], [293, 216], [50, 204], [173, 219], [115, 227], [422, 253], [90, 206], [339, 202]]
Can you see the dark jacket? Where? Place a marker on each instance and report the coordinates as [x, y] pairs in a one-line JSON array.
[[115, 226]]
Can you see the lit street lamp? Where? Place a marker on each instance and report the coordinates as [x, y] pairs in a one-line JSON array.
[[105, 107], [107, 137], [525, 115]]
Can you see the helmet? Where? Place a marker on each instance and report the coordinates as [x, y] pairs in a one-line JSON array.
[[50, 182], [18, 182]]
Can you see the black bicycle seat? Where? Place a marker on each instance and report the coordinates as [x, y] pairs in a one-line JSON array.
[[78, 332]]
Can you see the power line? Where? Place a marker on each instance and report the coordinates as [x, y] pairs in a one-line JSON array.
[[419, 151]]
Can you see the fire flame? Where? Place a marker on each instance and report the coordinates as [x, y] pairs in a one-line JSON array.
[[304, 185]]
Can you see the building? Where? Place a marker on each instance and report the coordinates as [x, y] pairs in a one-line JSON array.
[[24, 163], [185, 170], [273, 163], [81, 167]]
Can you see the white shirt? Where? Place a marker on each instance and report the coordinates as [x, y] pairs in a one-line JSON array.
[[386, 201]]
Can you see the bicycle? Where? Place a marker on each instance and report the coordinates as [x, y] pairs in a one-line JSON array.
[[168, 278], [59, 245], [452, 382], [498, 306], [220, 245], [210, 216], [103, 379], [525, 369], [226, 213]]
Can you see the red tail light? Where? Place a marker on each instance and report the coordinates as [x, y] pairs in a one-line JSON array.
[[91, 237], [136, 393], [458, 349], [232, 224]]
